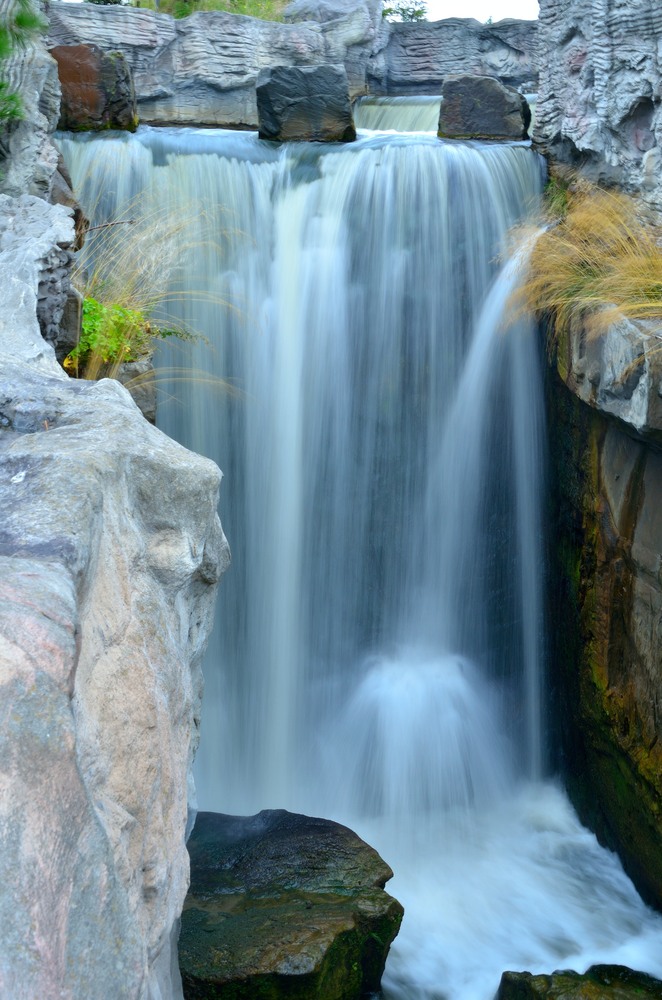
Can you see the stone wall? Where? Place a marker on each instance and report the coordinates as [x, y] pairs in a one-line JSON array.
[[600, 88], [419, 56], [110, 552], [203, 69]]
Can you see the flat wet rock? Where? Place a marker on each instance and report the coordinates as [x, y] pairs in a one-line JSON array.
[[601, 982], [283, 905]]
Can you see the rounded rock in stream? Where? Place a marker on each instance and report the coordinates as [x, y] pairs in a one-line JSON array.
[[601, 982], [283, 905]]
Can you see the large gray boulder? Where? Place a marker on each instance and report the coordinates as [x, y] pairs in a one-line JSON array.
[[480, 107], [110, 551], [601, 77], [284, 906], [307, 104]]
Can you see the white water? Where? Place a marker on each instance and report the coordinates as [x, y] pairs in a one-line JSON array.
[[378, 652], [398, 114]]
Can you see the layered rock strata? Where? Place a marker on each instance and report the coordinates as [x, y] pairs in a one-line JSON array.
[[283, 905], [606, 557], [600, 89], [110, 549], [419, 56], [203, 69]]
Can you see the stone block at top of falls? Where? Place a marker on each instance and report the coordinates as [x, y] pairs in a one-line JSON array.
[[304, 104], [97, 89], [481, 107]]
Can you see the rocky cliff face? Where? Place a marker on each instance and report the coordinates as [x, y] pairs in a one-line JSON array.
[[419, 56], [599, 110], [110, 550], [607, 603], [600, 88], [203, 69]]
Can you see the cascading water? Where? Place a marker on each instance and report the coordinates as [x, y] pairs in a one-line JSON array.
[[377, 656], [398, 114]]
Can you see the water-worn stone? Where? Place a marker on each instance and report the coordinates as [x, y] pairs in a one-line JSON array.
[[599, 97], [480, 107], [282, 905], [600, 982], [97, 89], [110, 548], [304, 104]]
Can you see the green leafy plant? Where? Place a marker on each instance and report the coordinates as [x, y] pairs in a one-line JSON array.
[[111, 335], [402, 11], [596, 260]]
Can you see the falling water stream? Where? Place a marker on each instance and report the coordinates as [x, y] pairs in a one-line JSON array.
[[379, 647]]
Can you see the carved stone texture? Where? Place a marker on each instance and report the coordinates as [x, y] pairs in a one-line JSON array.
[[420, 56], [479, 107], [308, 104], [600, 84], [110, 549], [97, 89], [203, 69], [284, 906], [28, 159]]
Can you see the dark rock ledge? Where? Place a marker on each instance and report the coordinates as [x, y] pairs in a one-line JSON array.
[[283, 905]]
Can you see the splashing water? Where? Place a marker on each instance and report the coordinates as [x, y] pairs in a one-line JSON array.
[[378, 651]]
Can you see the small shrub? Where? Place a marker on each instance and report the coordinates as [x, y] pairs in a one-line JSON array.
[[111, 335], [402, 11], [16, 29]]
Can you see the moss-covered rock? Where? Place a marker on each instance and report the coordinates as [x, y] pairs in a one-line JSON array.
[[606, 610], [282, 905], [601, 982]]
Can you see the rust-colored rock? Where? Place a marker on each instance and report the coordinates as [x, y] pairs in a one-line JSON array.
[[97, 89]]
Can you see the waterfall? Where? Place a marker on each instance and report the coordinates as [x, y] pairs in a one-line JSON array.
[[398, 114], [378, 653]]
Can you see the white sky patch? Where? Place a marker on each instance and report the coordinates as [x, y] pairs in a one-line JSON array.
[[482, 9]]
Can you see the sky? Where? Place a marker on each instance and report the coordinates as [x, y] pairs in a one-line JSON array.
[[482, 9]]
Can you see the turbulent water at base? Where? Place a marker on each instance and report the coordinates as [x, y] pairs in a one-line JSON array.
[[378, 651]]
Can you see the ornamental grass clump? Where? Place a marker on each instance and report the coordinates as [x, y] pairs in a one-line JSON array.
[[127, 274], [598, 261]]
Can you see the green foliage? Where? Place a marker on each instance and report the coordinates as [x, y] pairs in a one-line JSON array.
[[402, 11], [15, 31], [111, 335], [266, 10], [557, 196]]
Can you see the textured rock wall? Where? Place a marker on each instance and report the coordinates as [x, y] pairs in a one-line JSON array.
[[418, 57], [606, 556], [600, 89], [203, 69], [110, 550]]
